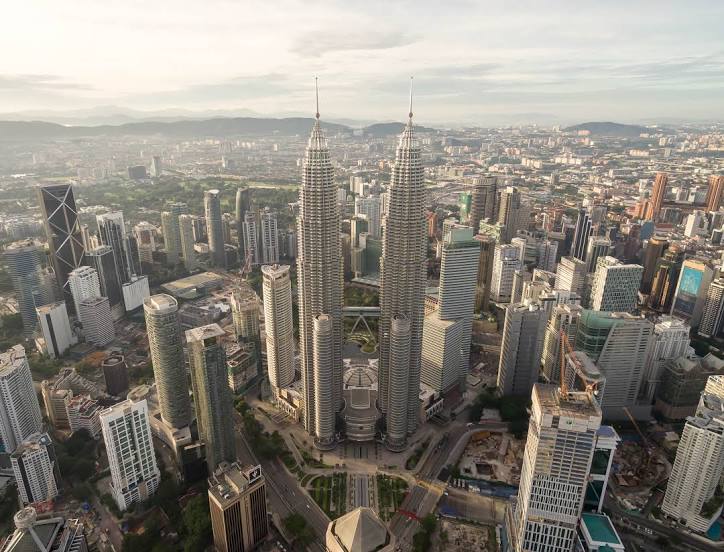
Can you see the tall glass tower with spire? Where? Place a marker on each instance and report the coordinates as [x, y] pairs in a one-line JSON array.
[[320, 288], [402, 292]]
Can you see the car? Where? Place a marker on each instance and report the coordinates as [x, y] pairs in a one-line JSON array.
[[469, 424]]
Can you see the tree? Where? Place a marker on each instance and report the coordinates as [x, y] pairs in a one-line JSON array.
[[299, 529], [197, 524]]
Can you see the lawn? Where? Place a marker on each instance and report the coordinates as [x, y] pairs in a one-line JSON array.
[[330, 492], [390, 493]]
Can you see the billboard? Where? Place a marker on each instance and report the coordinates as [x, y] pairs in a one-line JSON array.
[[688, 290]]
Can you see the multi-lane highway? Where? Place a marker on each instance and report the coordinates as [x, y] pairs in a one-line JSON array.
[[283, 492]]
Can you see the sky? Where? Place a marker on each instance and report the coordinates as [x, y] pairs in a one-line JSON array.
[[473, 62]]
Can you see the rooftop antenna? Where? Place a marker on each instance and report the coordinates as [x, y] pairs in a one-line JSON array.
[[316, 90], [409, 113]]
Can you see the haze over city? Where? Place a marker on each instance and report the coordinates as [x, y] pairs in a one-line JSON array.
[[474, 62]]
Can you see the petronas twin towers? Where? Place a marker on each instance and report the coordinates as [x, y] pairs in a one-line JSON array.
[[320, 290]]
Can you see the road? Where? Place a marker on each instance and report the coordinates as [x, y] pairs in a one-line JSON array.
[[283, 491], [659, 529]]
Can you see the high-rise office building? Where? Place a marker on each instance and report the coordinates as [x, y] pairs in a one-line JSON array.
[[278, 325], [657, 196], [101, 259], [690, 295], [24, 261], [60, 218], [145, 234], [34, 533], [212, 210], [665, 278], [620, 344], [112, 232], [447, 330], [698, 467], [598, 246], [402, 289], [580, 235], [171, 230], [319, 279], [571, 275], [520, 351], [713, 313], [671, 341], [564, 318], [547, 254], [251, 238], [513, 213], [483, 204], [156, 167], [714, 193], [655, 249], [20, 414], [167, 357], [95, 316], [269, 241], [615, 285], [115, 374], [55, 328], [237, 503], [485, 271], [35, 467], [84, 284], [131, 458], [506, 261], [556, 467], [370, 208], [186, 228], [243, 204], [212, 397]]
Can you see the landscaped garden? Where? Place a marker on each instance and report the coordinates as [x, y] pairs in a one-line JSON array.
[[330, 492]]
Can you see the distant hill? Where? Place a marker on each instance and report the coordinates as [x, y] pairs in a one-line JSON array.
[[387, 129], [609, 129], [13, 131]]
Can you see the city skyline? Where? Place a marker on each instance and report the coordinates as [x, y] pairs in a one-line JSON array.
[[559, 70]]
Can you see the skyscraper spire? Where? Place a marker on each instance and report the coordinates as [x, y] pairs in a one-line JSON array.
[[316, 93], [409, 111]]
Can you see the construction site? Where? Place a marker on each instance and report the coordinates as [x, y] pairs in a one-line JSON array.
[[463, 537], [493, 456]]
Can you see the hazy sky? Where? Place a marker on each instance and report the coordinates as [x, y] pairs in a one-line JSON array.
[[473, 61]]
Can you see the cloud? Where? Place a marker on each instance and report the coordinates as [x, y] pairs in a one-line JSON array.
[[38, 83], [320, 42]]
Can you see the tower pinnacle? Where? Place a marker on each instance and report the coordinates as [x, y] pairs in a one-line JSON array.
[[316, 91], [409, 111]]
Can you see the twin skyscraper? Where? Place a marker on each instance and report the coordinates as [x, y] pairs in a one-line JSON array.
[[320, 277]]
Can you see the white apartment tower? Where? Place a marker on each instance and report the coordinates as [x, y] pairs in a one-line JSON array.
[[713, 313], [320, 289], [55, 327], [371, 209], [615, 285], [278, 325], [95, 315], [36, 470], [520, 351], [506, 261], [556, 466], [403, 275], [698, 467], [84, 284], [571, 275], [671, 341], [269, 237], [131, 458], [251, 238], [20, 414]]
